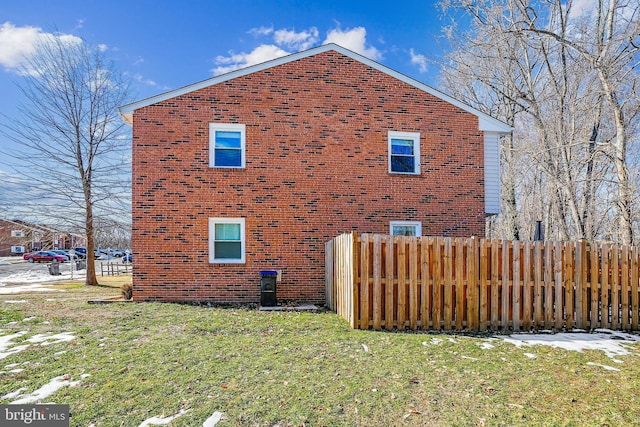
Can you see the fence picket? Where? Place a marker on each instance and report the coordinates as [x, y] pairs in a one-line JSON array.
[[516, 288], [605, 310], [389, 294], [414, 300], [473, 285], [437, 284], [506, 313], [495, 286], [558, 286], [624, 288], [377, 282], [594, 281], [538, 290], [425, 278], [634, 288], [615, 288], [458, 284], [402, 283], [485, 285]]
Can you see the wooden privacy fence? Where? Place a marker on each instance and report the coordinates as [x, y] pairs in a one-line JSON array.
[[378, 281]]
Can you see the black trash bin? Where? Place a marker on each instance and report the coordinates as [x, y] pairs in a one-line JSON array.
[[54, 269], [268, 288], [81, 264]]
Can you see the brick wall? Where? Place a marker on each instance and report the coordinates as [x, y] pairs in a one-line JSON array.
[[316, 166]]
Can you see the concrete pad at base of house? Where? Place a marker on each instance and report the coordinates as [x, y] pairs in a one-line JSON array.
[[300, 307]]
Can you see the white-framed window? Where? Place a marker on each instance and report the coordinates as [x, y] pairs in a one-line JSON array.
[[226, 241], [227, 143], [404, 152], [17, 233], [405, 228], [17, 249]]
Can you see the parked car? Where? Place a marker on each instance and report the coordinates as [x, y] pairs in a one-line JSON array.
[[61, 252], [44, 256], [81, 252], [127, 258]]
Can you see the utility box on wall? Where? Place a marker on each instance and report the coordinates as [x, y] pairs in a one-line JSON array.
[[268, 288]]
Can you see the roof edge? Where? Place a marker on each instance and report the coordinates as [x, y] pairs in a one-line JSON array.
[[486, 122]]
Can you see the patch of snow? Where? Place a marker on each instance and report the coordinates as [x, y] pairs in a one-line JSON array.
[[45, 391], [469, 358], [42, 276], [34, 280], [157, 421], [486, 346], [608, 368], [47, 339], [610, 342], [213, 419], [13, 301], [8, 347], [365, 348], [530, 355], [13, 394], [6, 341]]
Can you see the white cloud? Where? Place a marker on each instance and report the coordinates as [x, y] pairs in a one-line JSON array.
[[260, 31], [138, 77], [296, 40], [18, 43], [286, 41], [102, 47], [419, 60], [582, 7], [236, 61], [354, 39]]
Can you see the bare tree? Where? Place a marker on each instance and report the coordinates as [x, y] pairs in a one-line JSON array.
[[512, 58], [70, 143], [609, 41]]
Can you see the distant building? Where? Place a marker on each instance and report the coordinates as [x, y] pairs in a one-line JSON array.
[[18, 237]]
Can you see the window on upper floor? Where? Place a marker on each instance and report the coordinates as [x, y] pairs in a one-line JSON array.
[[226, 240], [17, 233], [404, 152], [405, 228], [226, 145]]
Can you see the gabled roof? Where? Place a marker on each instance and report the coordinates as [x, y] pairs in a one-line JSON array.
[[486, 122]]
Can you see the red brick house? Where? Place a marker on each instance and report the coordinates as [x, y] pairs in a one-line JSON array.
[[256, 169]]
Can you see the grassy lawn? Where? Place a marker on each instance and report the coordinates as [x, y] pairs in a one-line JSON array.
[[281, 369]]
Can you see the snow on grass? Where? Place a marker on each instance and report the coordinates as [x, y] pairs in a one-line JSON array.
[[8, 347], [12, 301], [486, 346], [213, 419], [48, 339], [608, 368], [34, 287], [35, 279], [6, 341], [157, 421], [612, 343], [43, 392]]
